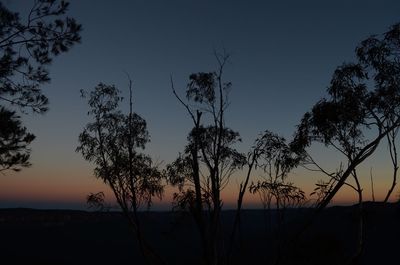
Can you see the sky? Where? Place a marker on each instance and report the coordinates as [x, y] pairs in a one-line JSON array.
[[283, 54]]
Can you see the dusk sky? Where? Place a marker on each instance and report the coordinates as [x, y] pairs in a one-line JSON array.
[[283, 56]]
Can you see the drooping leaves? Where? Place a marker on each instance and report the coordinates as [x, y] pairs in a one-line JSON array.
[[111, 142]]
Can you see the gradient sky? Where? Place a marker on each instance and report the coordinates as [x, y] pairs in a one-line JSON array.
[[283, 55]]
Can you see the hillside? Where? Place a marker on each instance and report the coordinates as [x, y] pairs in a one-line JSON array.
[[78, 237]]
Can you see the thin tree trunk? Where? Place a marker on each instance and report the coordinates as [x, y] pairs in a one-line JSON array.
[[393, 155], [362, 155], [360, 232], [237, 220], [372, 186]]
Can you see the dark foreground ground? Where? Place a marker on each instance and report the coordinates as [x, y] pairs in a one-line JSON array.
[[77, 237]]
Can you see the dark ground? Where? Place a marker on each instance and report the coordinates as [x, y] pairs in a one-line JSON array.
[[78, 237]]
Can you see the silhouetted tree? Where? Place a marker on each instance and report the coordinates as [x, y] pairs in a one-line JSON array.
[[251, 163], [380, 55], [111, 142], [14, 141], [362, 108], [267, 148], [96, 201], [209, 159], [27, 47], [276, 161], [391, 138]]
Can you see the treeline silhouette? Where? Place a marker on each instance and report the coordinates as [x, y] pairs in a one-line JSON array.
[[360, 112]]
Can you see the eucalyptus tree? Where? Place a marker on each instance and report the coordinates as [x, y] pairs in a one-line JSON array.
[[276, 162], [272, 156], [112, 142], [362, 109], [27, 48], [380, 55], [203, 170]]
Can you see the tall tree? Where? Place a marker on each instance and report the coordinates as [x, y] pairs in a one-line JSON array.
[[276, 161], [209, 159], [27, 47], [380, 54], [362, 108], [112, 142]]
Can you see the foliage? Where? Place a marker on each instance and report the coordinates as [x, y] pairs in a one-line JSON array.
[[96, 201], [14, 141], [286, 195], [362, 108], [321, 189], [209, 158], [26, 49], [276, 160], [110, 142]]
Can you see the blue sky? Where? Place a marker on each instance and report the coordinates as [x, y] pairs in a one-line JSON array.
[[283, 55]]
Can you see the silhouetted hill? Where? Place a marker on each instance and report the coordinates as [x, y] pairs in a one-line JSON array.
[[54, 237]]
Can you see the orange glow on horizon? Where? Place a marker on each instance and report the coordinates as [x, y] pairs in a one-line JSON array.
[[72, 186]]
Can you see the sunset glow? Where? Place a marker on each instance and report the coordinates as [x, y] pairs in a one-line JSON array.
[[282, 61]]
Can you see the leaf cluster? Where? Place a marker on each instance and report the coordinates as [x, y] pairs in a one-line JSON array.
[[361, 96], [26, 50], [274, 156], [14, 141], [111, 142], [285, 194]]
